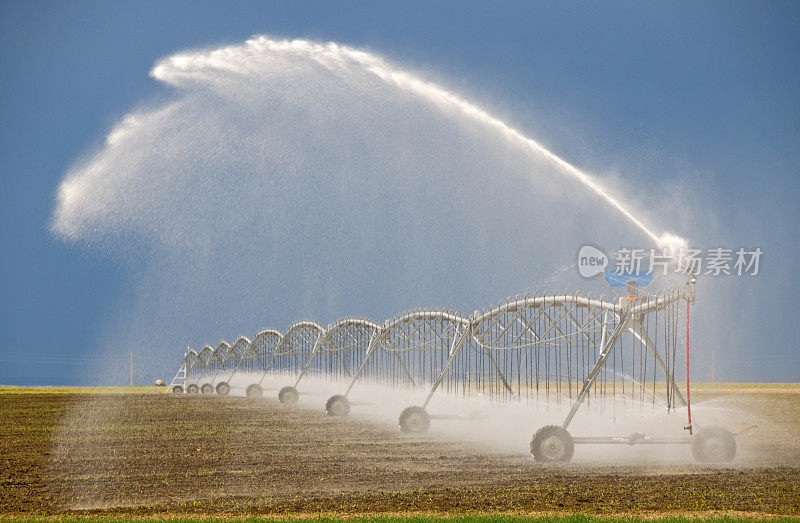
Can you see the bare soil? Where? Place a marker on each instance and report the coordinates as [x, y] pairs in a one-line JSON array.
[[155, 455]]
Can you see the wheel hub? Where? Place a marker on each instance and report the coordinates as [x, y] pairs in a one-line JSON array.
[[415, 423], [553, 447], [714, 448]]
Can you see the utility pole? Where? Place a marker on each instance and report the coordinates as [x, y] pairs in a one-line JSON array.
[[131, 368]]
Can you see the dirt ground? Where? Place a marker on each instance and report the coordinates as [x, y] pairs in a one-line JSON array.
[[155, 454]]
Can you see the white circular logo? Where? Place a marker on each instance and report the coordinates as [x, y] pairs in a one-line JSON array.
[[591, 261]]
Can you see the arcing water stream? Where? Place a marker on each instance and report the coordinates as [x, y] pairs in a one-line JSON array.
[[214, 67]]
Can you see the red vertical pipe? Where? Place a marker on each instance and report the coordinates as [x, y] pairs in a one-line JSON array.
[[688, 395]]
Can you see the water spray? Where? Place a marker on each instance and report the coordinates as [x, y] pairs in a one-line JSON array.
[[186, 68]]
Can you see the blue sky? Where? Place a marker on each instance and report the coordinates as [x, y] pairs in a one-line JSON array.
[[710, 90]]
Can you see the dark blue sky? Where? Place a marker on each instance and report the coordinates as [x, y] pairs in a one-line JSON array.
[[708, 90]]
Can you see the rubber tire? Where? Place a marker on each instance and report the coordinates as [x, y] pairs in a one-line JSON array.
[[223, 389], [714, 445], [254, 391], [177, 389], [337, 406], [192, 389], [288, 395], [552, 444], [207, 389], [414, 420]]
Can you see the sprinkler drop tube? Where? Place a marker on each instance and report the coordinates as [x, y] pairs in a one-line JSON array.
[[688, 395]]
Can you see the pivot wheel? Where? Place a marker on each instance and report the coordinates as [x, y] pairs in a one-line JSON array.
[[714, 445], [337, 406], [254, 391], [223, 389], [288, 395], [207, 389], [192, 389], [552, 444], [177, 389], [414, 420]]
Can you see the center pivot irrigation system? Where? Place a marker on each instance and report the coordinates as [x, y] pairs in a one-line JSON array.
[[574, 350]]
